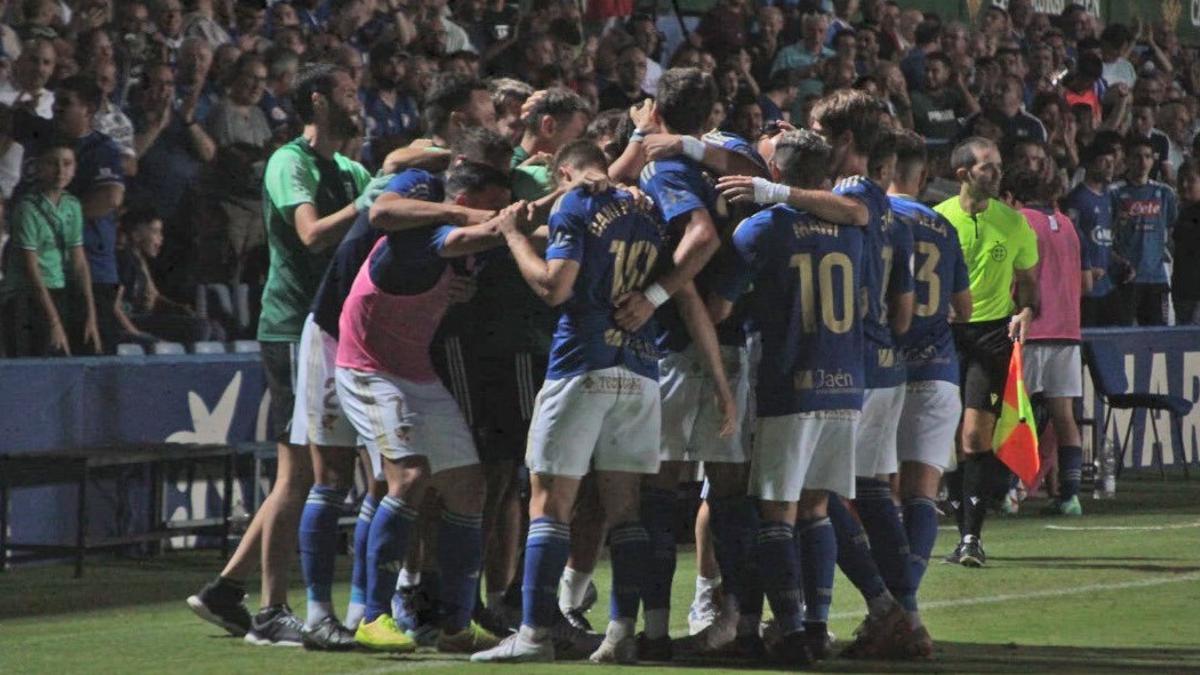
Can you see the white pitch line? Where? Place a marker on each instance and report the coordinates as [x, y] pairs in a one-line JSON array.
[[1122, 528], [1049, 593]]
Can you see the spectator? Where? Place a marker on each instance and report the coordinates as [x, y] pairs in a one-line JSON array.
[[804, 56], [745, 117], [776, 101], [508, 95], [146, 315], [1084, 86], [250, 19], [1143, 128], [867, 49], [392, 117], [1185, 279], [1090, 207], [202, 23], [1176, 123], [627, 89], [237, 118], [43, 316], [276, 101], [169, 19], [1061, 130], [1115, 44], [929, 35], [843, 11], [171, 144], [40, 17], [12, 155], [723, 28], [1145, 211], [765, 45], [110, 120], [30, 74], [942, 102], [646, 36], [194, 88], [1006, 103]]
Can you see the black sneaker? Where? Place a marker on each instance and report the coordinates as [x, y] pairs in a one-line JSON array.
[[792, 651], [328, 635], [973, 554], [276, 626], [572, 643], [222, 604], [576, 618], [955, 557], [654, 649], [820, 644], [492, 621], [749, 647]]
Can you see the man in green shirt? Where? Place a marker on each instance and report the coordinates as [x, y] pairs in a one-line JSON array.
[[311, 196], [1000, 248]]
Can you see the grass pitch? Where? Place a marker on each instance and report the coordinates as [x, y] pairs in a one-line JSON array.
[[1118, 590]]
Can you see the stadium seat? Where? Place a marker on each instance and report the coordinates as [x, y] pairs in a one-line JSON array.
[[1107, 368], [208, 348], [245, 347], [167, 348], [130, 349]]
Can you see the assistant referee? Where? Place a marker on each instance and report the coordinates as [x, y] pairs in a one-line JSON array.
[[999, 246]]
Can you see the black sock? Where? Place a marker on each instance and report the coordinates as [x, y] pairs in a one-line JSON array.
[[954, 489], [976, 470]]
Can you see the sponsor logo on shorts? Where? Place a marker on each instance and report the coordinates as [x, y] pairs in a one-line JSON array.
[[612, 384], [819, 378]]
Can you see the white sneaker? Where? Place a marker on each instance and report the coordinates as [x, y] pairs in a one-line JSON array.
[[619, 646], [702, 613], [517, 648]]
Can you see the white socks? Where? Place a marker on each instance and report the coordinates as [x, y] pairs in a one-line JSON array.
[[407, 578], [354, 615], [316, 612], [571, 588], [705, 588]]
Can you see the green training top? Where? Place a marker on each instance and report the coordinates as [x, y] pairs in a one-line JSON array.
[[296, 175], [50, 230], [994, 242]]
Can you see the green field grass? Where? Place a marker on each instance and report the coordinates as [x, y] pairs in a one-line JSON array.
[[1124, 598]]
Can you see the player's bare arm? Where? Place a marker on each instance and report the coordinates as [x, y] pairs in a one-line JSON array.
[[704, 334], [824, 204]]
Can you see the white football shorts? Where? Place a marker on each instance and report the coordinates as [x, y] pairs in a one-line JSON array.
[[875, 451], [691, 418], [932, 409], [804, 451], [1052, 369]]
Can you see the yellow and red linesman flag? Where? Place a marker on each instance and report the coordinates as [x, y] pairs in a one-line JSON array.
[[1015, 438]]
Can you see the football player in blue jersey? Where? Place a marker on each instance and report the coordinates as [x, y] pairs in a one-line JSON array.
[[689, 204], [932, 406], [805, 271], [599, 406]]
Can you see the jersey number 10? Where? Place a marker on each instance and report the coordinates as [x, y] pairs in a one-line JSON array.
[[837, 317], [632, 262]]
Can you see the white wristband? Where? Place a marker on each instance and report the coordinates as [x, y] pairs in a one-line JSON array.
[[693, 148], [637, 136], [766, 192], [656, 294]]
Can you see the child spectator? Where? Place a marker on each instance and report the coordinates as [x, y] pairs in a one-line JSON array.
[[43, 316], [146, 315]]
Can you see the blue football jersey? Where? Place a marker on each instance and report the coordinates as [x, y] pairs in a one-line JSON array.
[[679, 186], [1093, 214], [886, 269], [617, 244], [1142, 216], [357, 245], [806, 278], [939, 272]]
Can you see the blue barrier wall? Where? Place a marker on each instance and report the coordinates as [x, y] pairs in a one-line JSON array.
[[48, 404], [63, 403], [1158, 360]]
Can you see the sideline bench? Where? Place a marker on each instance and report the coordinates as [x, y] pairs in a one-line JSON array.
[[78, 466]]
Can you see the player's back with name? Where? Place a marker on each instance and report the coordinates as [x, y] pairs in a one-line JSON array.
[[617, 242], [939, 272], [806, 276]]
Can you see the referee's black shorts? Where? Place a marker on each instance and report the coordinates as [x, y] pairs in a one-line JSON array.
[[984, 350]]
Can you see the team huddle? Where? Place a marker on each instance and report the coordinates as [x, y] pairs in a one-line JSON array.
[[781, 314]]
